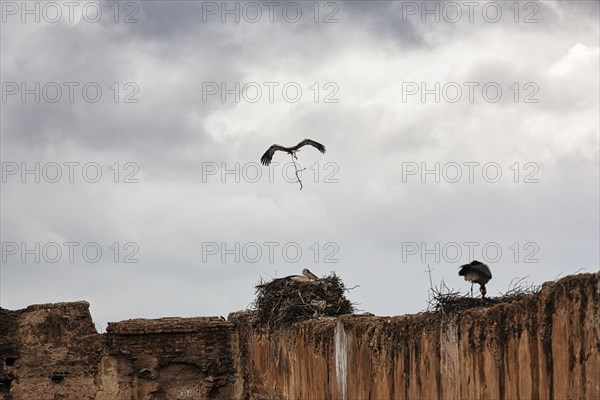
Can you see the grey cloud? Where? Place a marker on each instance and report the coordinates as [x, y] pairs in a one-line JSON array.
[[171, 134]]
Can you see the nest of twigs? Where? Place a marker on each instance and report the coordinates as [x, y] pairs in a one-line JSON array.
[[282, 302], [447, 301]]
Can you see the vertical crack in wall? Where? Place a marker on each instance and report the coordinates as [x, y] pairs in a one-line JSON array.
[[341, 360], [545, 345]]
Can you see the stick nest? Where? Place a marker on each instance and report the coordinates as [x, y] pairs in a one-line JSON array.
[[447, 301], [282, 302]]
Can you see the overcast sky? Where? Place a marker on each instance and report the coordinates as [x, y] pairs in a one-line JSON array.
[[454, 131]]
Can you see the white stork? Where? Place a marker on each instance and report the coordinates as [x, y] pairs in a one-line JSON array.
[[268, 156], [476, 272], [306, 276]]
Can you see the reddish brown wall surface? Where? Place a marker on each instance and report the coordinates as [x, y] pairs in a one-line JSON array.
[[52, 351], [49, 352], [544, 346]]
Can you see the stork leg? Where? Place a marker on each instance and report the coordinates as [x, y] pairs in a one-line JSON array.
[[471, 289]]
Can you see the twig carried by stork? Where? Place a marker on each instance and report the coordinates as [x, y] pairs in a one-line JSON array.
[[268, 156]]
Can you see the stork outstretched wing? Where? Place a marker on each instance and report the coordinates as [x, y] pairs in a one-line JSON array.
[[268, 156], [316, 145]]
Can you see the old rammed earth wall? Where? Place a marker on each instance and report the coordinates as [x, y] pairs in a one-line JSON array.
[[545, 346]]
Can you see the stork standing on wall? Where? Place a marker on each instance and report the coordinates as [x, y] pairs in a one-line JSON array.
[[476, 272]]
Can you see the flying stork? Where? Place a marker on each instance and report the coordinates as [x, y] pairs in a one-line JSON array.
[[476, 272], [268, 156]]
